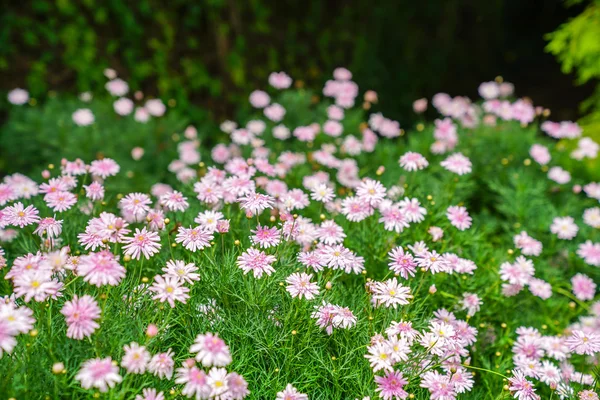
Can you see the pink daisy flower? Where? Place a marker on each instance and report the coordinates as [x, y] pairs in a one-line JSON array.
[[356, 209], [489, 90], [265, 236], [457, 163], [390, 293], [60, 201], [76, 167], [174, 201], [312, 260], [53, 185], [587, 395], [217, 380], [440, 386], [223, 226], [138, 204], [83, 117], [104, 168], [94, 191], [80, 314], [150, 394], [275, 112], [209, 219], [540, 154], [321, 192], [208, 192], [162, 364], [583, 343], [156, 220], [412, 161], [136, 358], [143, 242], [256, 203], [98, 373], [564, 227], [522, 389], [470, 302], [291, 393], [259, 99], [116, 86], [155, 107], [49, 227], [238, 387], [584, 288], [559, 175], [280, 80], [100, 268], [459, 217], [194, 238], [591, 217], [432, 261], [540, 288], [393, 219], [380, 357], [36, 284], [211, 350], [330, 233], [18, 96], [20, 216], [390, 386], [436, 233], [256, 261], [169, 289], [194, 380], [590, 252], [7, 194], [402, 263], [299, 285], [371, 192], [412, 209], [179, 269], [13, 320]]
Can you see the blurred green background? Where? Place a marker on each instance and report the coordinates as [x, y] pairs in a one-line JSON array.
[[208, 55]]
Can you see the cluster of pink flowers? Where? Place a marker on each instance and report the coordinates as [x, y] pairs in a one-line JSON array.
[[492, 90], [331, 316], [459, 108], [342, 89], [211, 351], [562, 130], [404, 351], [528, 245], [545, 359], [248, 182], [404, 264], [521, 110], [384, 126], [124, 106], [520, 274]]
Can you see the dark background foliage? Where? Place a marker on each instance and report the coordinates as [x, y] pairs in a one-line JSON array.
[[209, 54]]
